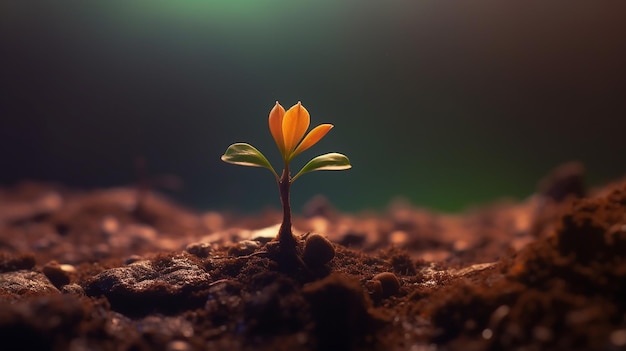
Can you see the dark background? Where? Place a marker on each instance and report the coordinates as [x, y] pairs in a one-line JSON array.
[[445, 103]]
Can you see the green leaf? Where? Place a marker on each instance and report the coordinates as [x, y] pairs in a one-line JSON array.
[[327, 162], [246, 155]]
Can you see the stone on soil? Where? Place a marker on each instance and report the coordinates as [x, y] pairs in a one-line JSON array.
[[166, 284], [26, 282]]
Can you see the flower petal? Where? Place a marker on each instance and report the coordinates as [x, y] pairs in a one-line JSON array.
[[295, 123], [276, 126], [315, 135]]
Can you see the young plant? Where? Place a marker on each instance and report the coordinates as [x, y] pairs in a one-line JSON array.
[[288, 130]]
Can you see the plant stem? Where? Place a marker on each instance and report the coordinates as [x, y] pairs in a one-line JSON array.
[[286, 239]]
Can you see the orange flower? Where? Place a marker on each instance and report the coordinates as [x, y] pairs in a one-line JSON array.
[[288, 129]]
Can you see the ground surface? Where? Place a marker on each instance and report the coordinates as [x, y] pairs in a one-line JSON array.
[[96, 271]]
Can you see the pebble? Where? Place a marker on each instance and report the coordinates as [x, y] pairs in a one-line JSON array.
[[73, 289], [146, 285], [58, 274], [23, 281], [201, 249], [389, 282], [318, 250]]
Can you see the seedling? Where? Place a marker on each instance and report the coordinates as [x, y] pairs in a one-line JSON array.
[[288, 130]]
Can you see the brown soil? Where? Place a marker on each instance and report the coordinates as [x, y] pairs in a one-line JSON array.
[[94, 271]]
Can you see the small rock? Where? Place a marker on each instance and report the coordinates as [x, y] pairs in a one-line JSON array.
[[389, 282], [318, 250], [68, 268], [73, 289], [57, 275], [201, 249], [166, 284], [22, 282]]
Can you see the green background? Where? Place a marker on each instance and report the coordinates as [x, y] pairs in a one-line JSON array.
[[445, 103]]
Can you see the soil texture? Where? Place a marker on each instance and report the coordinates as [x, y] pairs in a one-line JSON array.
[[114, 270]]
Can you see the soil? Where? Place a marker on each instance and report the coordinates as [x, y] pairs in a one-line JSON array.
[[126, 269]]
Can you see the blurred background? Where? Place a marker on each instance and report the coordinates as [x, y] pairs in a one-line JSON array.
[[445, 103]]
